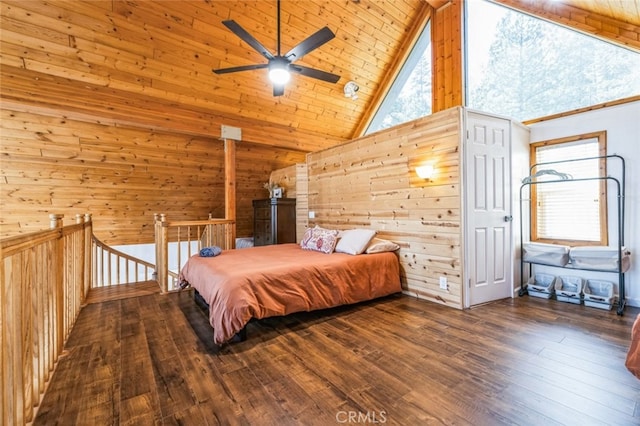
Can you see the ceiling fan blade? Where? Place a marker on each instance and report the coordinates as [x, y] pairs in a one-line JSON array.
[[310, 43], [241, 68], [314, 73], [278, 89], [247, 38]]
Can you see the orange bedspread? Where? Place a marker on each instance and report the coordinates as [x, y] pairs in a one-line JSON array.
[[633, 355], [267, 281]]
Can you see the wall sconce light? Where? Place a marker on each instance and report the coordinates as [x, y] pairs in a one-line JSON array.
[[351, 90], [424, 172]]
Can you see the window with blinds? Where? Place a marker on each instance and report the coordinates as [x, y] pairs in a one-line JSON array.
[[571, 212]]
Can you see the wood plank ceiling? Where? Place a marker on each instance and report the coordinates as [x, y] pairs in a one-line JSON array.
[[620, 10], [149, 62]]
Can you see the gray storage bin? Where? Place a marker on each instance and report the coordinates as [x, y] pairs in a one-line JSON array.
[[547, 254], [598, 294], [569, 289], [541, 285], [599, 257]]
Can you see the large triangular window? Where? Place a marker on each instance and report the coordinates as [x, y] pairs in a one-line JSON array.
[[526, 68], [410, 95]]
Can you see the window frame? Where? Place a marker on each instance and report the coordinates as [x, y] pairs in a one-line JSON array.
[[601, 137]]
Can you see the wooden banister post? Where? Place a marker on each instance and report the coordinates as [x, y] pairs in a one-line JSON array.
[[58, 285], [55, 220], [88, 253], [162, 252]]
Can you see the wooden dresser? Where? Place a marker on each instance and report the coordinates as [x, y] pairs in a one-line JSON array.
[[274, 221]]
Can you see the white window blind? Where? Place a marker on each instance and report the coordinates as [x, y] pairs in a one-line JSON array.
[[571, 210]]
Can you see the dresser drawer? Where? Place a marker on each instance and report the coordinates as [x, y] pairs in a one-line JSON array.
[[262, 213]]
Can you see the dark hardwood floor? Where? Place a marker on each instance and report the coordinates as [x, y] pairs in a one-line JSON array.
[[398, 360]]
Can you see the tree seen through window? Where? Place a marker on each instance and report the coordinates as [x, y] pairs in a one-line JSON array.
[[526, 68]]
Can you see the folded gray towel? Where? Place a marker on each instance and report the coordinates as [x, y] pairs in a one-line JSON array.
[[210, 251]]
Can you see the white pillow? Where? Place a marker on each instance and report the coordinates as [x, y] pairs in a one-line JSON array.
[[354, 241], [378, 245]]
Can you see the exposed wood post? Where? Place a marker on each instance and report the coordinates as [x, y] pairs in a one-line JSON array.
[[230, 185], [162, 253], [446, 43], [88, 258]]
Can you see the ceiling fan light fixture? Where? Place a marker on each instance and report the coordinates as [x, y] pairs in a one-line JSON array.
[[280, 66], [279, 72]]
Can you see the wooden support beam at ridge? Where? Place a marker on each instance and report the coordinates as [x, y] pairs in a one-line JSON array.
[[230, 182]]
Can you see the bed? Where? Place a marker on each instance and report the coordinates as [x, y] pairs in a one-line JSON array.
[[632, 361], [276, 280]]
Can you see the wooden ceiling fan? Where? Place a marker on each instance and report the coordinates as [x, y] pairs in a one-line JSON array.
[[280, 66]]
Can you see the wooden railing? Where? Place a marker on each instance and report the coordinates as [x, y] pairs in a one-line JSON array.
[[186, 239], [44, 279], [112, 267]]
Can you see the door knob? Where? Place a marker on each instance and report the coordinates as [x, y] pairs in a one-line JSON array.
[[508, 218]]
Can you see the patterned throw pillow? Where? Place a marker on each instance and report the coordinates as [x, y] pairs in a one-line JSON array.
[[319, 239]]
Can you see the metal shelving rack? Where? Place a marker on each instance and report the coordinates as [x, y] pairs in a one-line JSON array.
[[620, 186]]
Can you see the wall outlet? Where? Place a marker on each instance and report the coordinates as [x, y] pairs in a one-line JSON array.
[[443, 283], [312, 215]]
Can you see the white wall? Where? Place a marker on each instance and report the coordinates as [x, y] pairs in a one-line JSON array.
[[622, 123], [148, 252]]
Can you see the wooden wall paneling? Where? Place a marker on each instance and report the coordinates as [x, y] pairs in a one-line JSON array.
[[287, 179], [255, 165], [121, 175], [378, 190]]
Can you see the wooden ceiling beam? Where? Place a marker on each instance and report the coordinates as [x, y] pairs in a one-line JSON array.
[[608, 29], [437, 4]]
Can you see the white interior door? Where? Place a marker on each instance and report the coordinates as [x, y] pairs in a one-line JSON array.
[[488, 211]]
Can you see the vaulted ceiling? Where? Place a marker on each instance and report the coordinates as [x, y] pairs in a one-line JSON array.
[[149, 63]]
